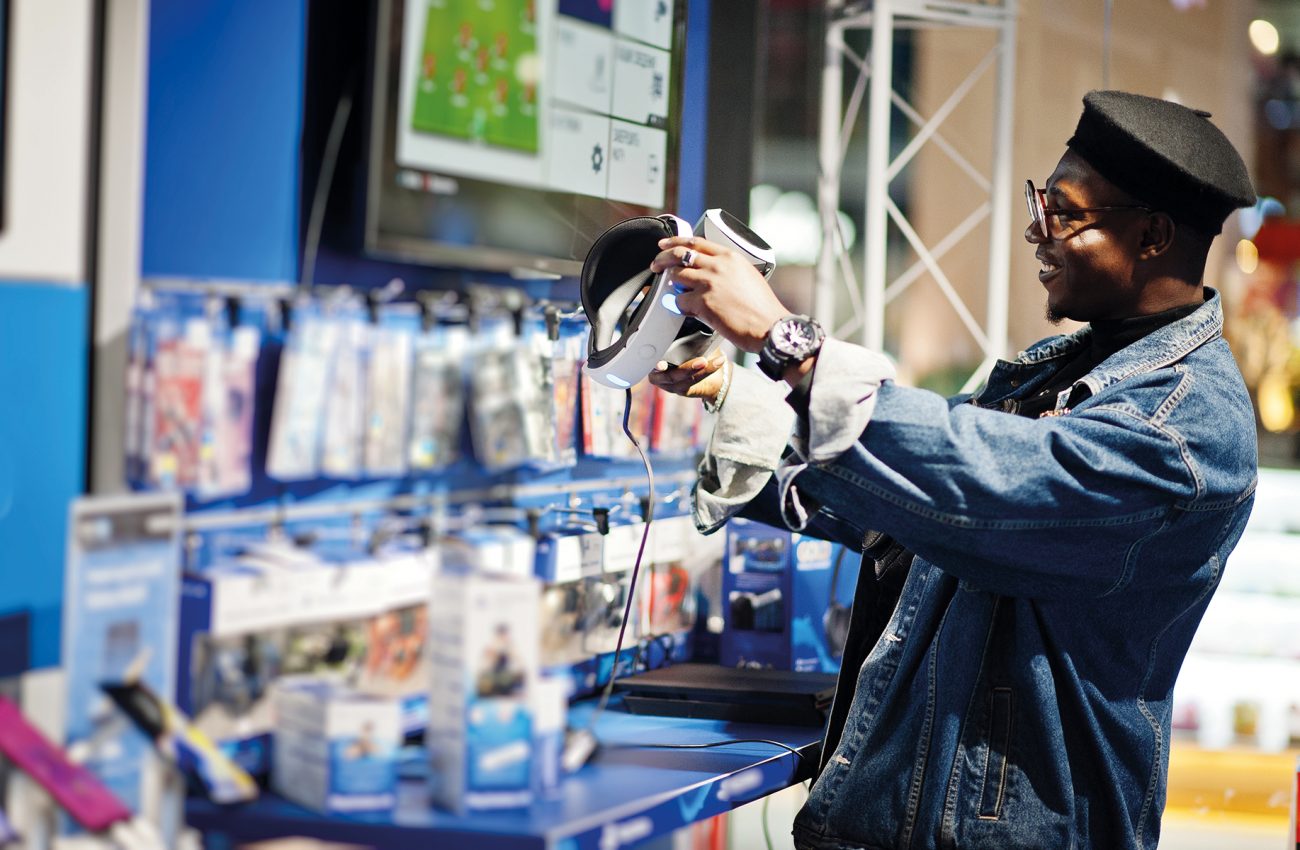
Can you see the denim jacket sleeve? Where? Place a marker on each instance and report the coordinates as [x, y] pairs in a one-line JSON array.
[[1018, 506], [757, 433]]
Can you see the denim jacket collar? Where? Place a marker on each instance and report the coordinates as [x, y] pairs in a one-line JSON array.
[[1161, 347]]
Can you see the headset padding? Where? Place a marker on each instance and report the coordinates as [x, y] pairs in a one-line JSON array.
[[616, 269]]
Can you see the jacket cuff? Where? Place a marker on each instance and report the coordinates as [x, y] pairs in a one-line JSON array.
[[749, 437], [842, 398]]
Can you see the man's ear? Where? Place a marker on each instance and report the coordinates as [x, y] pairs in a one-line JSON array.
[[1157, 235]]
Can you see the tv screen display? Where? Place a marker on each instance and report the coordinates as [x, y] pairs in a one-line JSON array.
[[509, 134]]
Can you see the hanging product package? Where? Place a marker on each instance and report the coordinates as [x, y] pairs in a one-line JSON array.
[[564, 370], [677, 426], [345, 408], [137, 367], [161, 318], [229, 382], [300, 394], [508, 408], [602, 419], [388, 404], [235, 432], [179, 360], [438, 398]]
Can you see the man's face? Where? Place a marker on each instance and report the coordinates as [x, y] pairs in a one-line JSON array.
[[1088, 266]]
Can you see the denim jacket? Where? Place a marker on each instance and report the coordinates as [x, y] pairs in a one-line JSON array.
[[1019, 695]]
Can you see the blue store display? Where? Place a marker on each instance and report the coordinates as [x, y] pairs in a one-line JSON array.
[[307, 449], [787, 598], [122, 593], [631, 791]]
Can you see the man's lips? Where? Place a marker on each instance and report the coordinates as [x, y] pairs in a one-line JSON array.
[[1047, 269]]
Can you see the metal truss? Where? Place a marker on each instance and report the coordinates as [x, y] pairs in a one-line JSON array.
[[870, 297]]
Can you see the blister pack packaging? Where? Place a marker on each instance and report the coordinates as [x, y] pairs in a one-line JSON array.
[[300, 395], [438, 398]]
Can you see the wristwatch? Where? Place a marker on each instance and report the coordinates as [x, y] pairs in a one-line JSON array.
[[793, 339]]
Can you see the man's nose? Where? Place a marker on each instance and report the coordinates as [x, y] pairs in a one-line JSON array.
[[1034, 234]]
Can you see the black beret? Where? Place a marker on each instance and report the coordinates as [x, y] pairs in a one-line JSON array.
[[1167, 156]]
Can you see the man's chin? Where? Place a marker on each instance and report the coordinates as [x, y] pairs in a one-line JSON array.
[[1054, 315]]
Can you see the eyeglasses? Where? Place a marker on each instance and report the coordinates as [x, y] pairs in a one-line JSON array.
[[1035, 199]]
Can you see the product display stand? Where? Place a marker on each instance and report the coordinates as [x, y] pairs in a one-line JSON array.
[[628, 793]]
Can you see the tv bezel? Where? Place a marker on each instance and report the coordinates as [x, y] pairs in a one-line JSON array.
[[384, 60]]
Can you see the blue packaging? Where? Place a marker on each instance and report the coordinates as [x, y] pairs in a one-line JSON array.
[[783, 594], [483, 642], [550, 716], [335, 749]]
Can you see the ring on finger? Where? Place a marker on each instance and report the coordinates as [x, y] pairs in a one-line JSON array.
[[688, 259]]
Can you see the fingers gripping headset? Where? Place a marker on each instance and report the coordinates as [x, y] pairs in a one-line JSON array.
[[635, 320]]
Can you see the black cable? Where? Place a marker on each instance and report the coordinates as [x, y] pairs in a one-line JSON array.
[[324, 180], [627, 614], [636, 567]]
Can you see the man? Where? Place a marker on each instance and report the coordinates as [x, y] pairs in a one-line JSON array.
[[1039, 554]]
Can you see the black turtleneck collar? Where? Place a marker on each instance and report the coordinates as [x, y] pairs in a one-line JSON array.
[[1108, 336]]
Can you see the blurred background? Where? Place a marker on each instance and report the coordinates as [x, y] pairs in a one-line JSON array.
[[263, 157]]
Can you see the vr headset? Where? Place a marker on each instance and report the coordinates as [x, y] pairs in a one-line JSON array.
[[635, 320]]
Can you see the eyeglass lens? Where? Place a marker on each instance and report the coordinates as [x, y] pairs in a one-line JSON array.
[[1034, 201]]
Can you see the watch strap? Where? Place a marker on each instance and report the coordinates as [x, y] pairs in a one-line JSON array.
[[773, 362]]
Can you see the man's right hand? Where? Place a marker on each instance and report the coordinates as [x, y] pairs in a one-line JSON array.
[[700, 377]]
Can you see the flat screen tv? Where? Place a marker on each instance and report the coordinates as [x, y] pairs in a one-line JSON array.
[[507, 135]]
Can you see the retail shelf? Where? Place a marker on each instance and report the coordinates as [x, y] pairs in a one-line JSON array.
[[630, 792]]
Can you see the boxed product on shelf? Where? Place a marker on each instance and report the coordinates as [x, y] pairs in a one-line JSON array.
[[483, 643], [245, 623], [669, 596], [587, 579], [787, 596], [569, 565], [496, 549], [119, 621], [335, 748]]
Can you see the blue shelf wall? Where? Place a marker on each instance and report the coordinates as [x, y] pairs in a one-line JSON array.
[[224, 170], [225, 110], [224, 118], [221, 193], [43, 355]]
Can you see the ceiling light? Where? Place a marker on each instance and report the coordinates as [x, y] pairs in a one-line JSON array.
[[1264, 36]]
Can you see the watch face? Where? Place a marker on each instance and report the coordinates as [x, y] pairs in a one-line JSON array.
[[794, 337]]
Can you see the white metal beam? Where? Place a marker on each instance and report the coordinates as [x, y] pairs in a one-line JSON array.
[[876, 224], [994, 191]]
